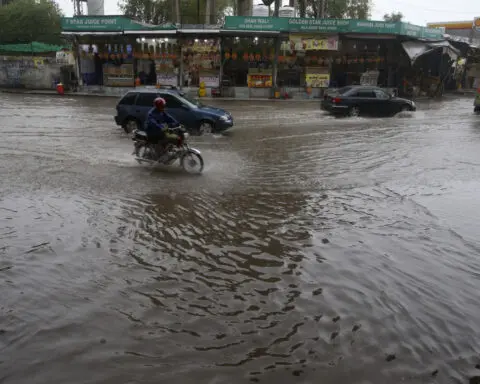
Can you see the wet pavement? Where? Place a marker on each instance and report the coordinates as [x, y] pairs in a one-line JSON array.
[[311, 250]]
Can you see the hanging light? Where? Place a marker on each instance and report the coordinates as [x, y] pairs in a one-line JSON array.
[[143, 39]]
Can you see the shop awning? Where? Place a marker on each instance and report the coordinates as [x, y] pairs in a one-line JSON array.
[[415, 49], [232, 32], [112, 25], [69, 33], [34, 47]]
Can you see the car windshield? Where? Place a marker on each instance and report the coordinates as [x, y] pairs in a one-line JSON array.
[[343, 90], [193, 103]]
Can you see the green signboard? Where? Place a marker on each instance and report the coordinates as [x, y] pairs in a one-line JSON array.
[[109, 24], [274, 24], [421, 32]]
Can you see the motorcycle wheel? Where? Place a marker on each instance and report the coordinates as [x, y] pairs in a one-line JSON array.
[[192, 162]]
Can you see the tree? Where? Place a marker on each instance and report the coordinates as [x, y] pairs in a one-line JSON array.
[[163, 11], [335, 9], [393, 17], [25, 21]]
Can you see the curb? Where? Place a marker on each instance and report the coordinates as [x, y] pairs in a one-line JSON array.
[[84, 94]]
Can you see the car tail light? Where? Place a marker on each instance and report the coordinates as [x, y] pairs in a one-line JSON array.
[[336, 100]]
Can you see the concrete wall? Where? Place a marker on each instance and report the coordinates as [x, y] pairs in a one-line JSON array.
[[31, 72]]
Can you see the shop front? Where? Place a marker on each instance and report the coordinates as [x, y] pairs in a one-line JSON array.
[[248, 57], [115, 53], [201, 61], [304, 62], [309, 55], [248, 65]]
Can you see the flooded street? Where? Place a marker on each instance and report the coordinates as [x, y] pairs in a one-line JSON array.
[[311, 250]]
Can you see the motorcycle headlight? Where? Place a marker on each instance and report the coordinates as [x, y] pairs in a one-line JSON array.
[[186, 135]]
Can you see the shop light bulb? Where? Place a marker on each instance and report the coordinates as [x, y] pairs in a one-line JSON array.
[[143, 39], [256, 38], [166, 39]]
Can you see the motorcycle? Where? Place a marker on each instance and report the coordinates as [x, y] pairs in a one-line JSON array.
[[147, 152]]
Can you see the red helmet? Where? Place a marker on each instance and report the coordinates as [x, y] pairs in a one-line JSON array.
[[159, 102]]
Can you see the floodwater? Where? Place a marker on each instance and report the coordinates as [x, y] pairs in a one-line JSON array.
[[311, 250]]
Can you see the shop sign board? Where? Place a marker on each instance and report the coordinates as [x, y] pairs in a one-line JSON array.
[[411, 30], [476, 24], [317, 80], [299, 42], [297, 24], [255, 80], [210, 81], [108, 24], [167, 79]]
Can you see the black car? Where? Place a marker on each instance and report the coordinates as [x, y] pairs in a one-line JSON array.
[[365, 100]]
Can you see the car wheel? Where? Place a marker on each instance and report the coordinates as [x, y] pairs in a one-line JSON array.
[[205, 128], [130, 125], [354, 112], [476, 110]]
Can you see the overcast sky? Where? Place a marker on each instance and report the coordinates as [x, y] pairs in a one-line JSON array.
[[416, 12]]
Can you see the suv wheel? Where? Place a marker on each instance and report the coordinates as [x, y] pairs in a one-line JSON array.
[[130, 125]]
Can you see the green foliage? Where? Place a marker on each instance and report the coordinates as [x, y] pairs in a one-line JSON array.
[[162, 11], [393, 17], [24, 21], [336, 9]]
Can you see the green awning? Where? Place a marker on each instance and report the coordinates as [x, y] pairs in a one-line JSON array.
[[34, 47]]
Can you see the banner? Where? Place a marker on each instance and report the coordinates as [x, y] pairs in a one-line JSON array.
[[167, 79], [317, 80], [476, 24], [303, 25], [259, 81], [210, 81], [313, 43]]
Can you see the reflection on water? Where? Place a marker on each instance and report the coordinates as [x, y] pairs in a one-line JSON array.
[[342, 250]]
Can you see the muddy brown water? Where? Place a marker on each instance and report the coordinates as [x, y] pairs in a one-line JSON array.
[[311, 250]]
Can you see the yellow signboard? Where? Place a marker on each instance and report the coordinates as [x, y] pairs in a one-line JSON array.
[[313, 43], [317, 80], [476, 24], [259, 81]]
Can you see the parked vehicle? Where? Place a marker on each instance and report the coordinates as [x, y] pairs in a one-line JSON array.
[[476, 103], [133, 107], [146, 152], [173, 88], [365, 100]]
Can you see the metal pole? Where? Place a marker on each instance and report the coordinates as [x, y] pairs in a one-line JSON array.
[[181, 65]]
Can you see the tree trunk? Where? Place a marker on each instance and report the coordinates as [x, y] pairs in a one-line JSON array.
[[177, 11], [277, 8], [208, 11], [302, 8]]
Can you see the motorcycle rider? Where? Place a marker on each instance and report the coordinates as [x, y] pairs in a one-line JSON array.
[[157, 124]]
